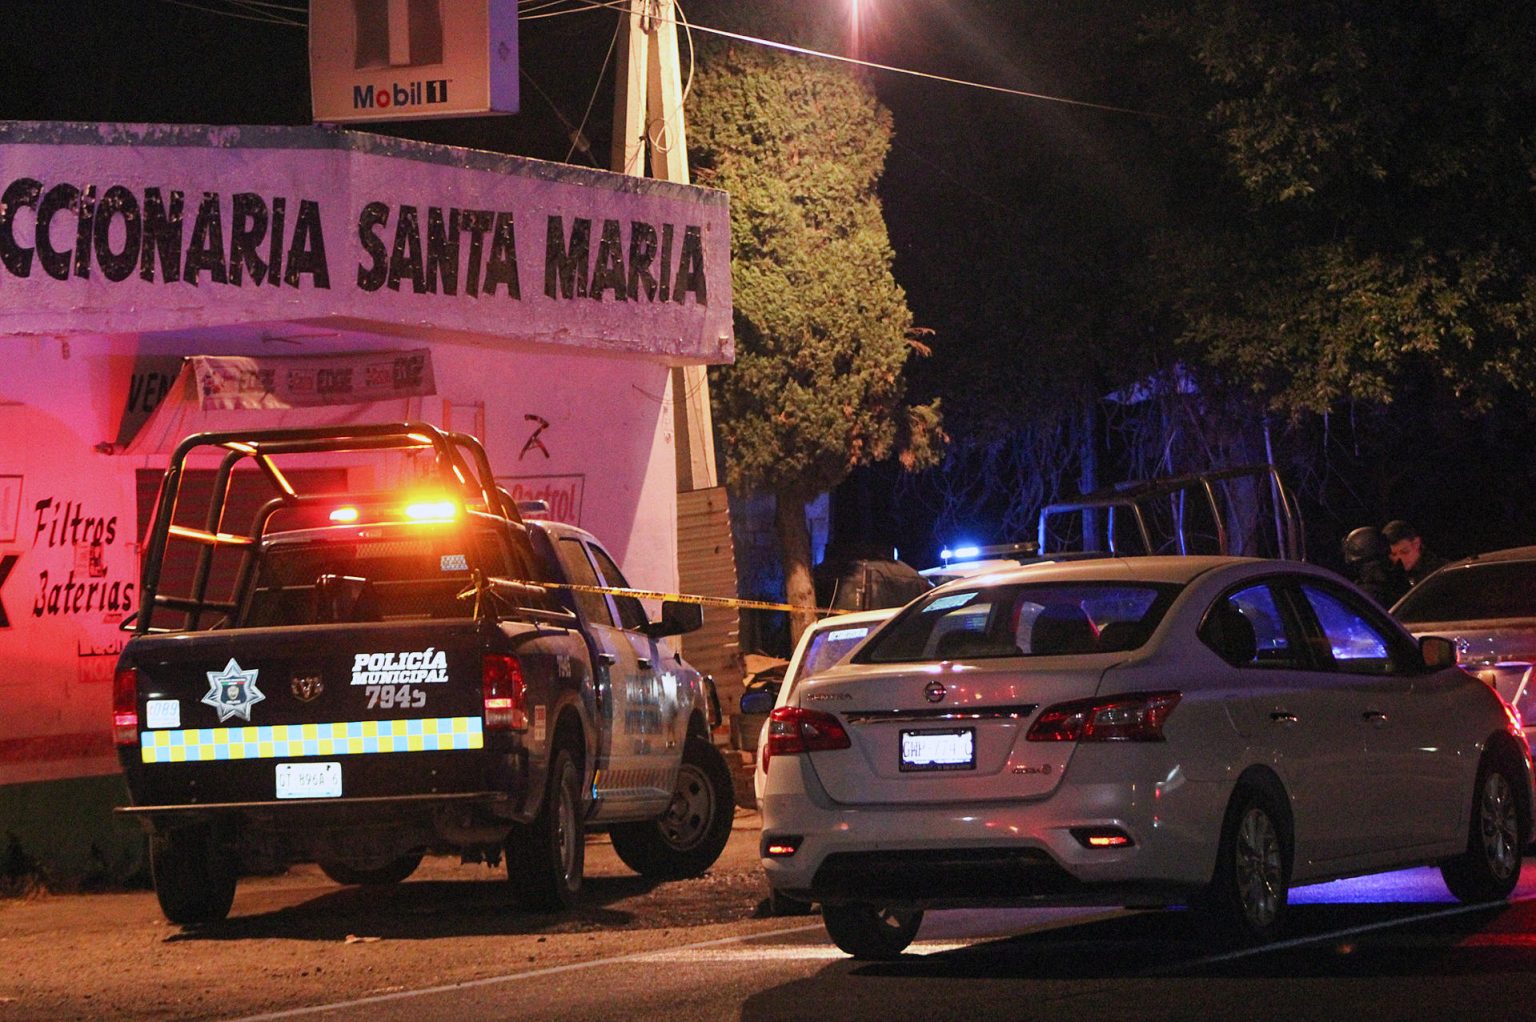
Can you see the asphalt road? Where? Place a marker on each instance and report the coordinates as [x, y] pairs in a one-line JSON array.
[[448, 945]]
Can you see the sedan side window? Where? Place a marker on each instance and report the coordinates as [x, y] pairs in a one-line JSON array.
[[1246, 628], [1358, 646]]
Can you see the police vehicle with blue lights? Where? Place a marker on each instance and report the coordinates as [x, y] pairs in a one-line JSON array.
[[362, 680]]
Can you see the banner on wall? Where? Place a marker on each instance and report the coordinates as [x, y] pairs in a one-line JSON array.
[[210, 392]]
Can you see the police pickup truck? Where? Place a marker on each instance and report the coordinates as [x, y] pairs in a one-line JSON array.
[[361, 680]]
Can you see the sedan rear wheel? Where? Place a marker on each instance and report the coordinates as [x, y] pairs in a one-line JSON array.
[[1490, 867], [870, 931], [1249, 894]]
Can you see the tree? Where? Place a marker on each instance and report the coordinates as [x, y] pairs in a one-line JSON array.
[[822, 328], [1359, 180]]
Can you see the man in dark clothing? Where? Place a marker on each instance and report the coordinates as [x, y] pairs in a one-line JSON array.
[[1409, 552], [1368, 559]]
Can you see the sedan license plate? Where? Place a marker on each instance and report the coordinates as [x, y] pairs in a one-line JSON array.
[[952, 749], [309, 780]]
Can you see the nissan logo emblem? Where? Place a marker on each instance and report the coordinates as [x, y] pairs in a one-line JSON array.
[[935, 691]]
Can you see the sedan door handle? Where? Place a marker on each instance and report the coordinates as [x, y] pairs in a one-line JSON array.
[[607, 659], [1374, 717], [1282, 717]]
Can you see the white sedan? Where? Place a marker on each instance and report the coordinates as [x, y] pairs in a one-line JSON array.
[[823, 643], [1145, 732]]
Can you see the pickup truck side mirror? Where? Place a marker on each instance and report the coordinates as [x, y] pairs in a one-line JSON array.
[[676, 619], [1438, 652]]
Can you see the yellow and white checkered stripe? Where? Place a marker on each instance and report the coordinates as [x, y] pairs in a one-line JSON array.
[[346, 738]]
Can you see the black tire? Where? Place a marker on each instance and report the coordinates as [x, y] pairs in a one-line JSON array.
[[377, 876], [194, 875], [687, 839], [1250, 892], [546, 857], [1490, 867], [869, 931]]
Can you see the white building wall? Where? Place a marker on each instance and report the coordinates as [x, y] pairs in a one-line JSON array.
[[68, 514]]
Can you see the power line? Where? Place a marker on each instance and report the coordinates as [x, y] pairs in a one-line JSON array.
[[579, 136], [623, 5], [571, 130], [263, 18]]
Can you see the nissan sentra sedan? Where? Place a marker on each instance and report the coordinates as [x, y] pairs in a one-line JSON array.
[[1202, 731]]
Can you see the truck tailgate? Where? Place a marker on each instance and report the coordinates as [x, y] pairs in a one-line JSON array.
[[327, 711]]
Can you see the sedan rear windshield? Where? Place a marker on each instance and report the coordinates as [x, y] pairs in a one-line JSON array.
[[1039, 619], [1493, 589]]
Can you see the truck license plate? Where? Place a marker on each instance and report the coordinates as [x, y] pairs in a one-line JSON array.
[[309, 780], [939, 750]]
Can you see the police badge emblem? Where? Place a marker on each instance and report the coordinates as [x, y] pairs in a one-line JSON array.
[[233, 692]]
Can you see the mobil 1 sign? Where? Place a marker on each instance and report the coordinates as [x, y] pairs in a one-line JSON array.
[[400, 60]]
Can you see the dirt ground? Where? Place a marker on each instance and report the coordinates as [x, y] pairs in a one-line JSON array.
[[299, 939]]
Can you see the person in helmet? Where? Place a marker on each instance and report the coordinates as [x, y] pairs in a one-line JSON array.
[[1409, 551], [1369, 564]]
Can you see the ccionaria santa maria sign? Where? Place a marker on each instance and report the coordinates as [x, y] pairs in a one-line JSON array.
[[130, 228]]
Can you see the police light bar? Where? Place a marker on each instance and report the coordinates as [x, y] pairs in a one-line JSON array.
[[344, 515], [1026, 548], [432, 511]]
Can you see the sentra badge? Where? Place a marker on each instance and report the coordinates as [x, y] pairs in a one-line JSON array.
[[233, 692], [418, 667]]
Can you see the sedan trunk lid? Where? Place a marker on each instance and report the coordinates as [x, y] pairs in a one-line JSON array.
[[947, 732]]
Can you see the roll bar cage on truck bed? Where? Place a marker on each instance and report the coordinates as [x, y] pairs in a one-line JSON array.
[[1246, 511], [460, 465]]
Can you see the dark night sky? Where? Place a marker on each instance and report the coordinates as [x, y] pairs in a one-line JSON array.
[[963, 160], [957, 155]]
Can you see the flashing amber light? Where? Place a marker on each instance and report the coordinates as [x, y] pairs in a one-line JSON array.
[[344, 515], [432, 511], [781, 847]]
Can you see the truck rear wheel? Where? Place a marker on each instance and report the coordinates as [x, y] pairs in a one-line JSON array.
[[194, 875], [687, 839], [545, 858], [389, 873]]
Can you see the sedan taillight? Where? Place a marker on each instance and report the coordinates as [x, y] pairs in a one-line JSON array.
[[1131, 717], [793, 730], [125, 706]]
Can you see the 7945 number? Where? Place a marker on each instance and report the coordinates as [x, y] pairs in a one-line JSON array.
[[390, 697]]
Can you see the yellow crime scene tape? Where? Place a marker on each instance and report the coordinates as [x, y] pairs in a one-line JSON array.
[[729, 602]]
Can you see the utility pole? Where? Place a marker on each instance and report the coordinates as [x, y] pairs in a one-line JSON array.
[[651, 140]]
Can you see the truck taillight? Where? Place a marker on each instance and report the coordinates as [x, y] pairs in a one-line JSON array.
[[125, 706], [1131, 717], [793, 730], [501, 680]]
